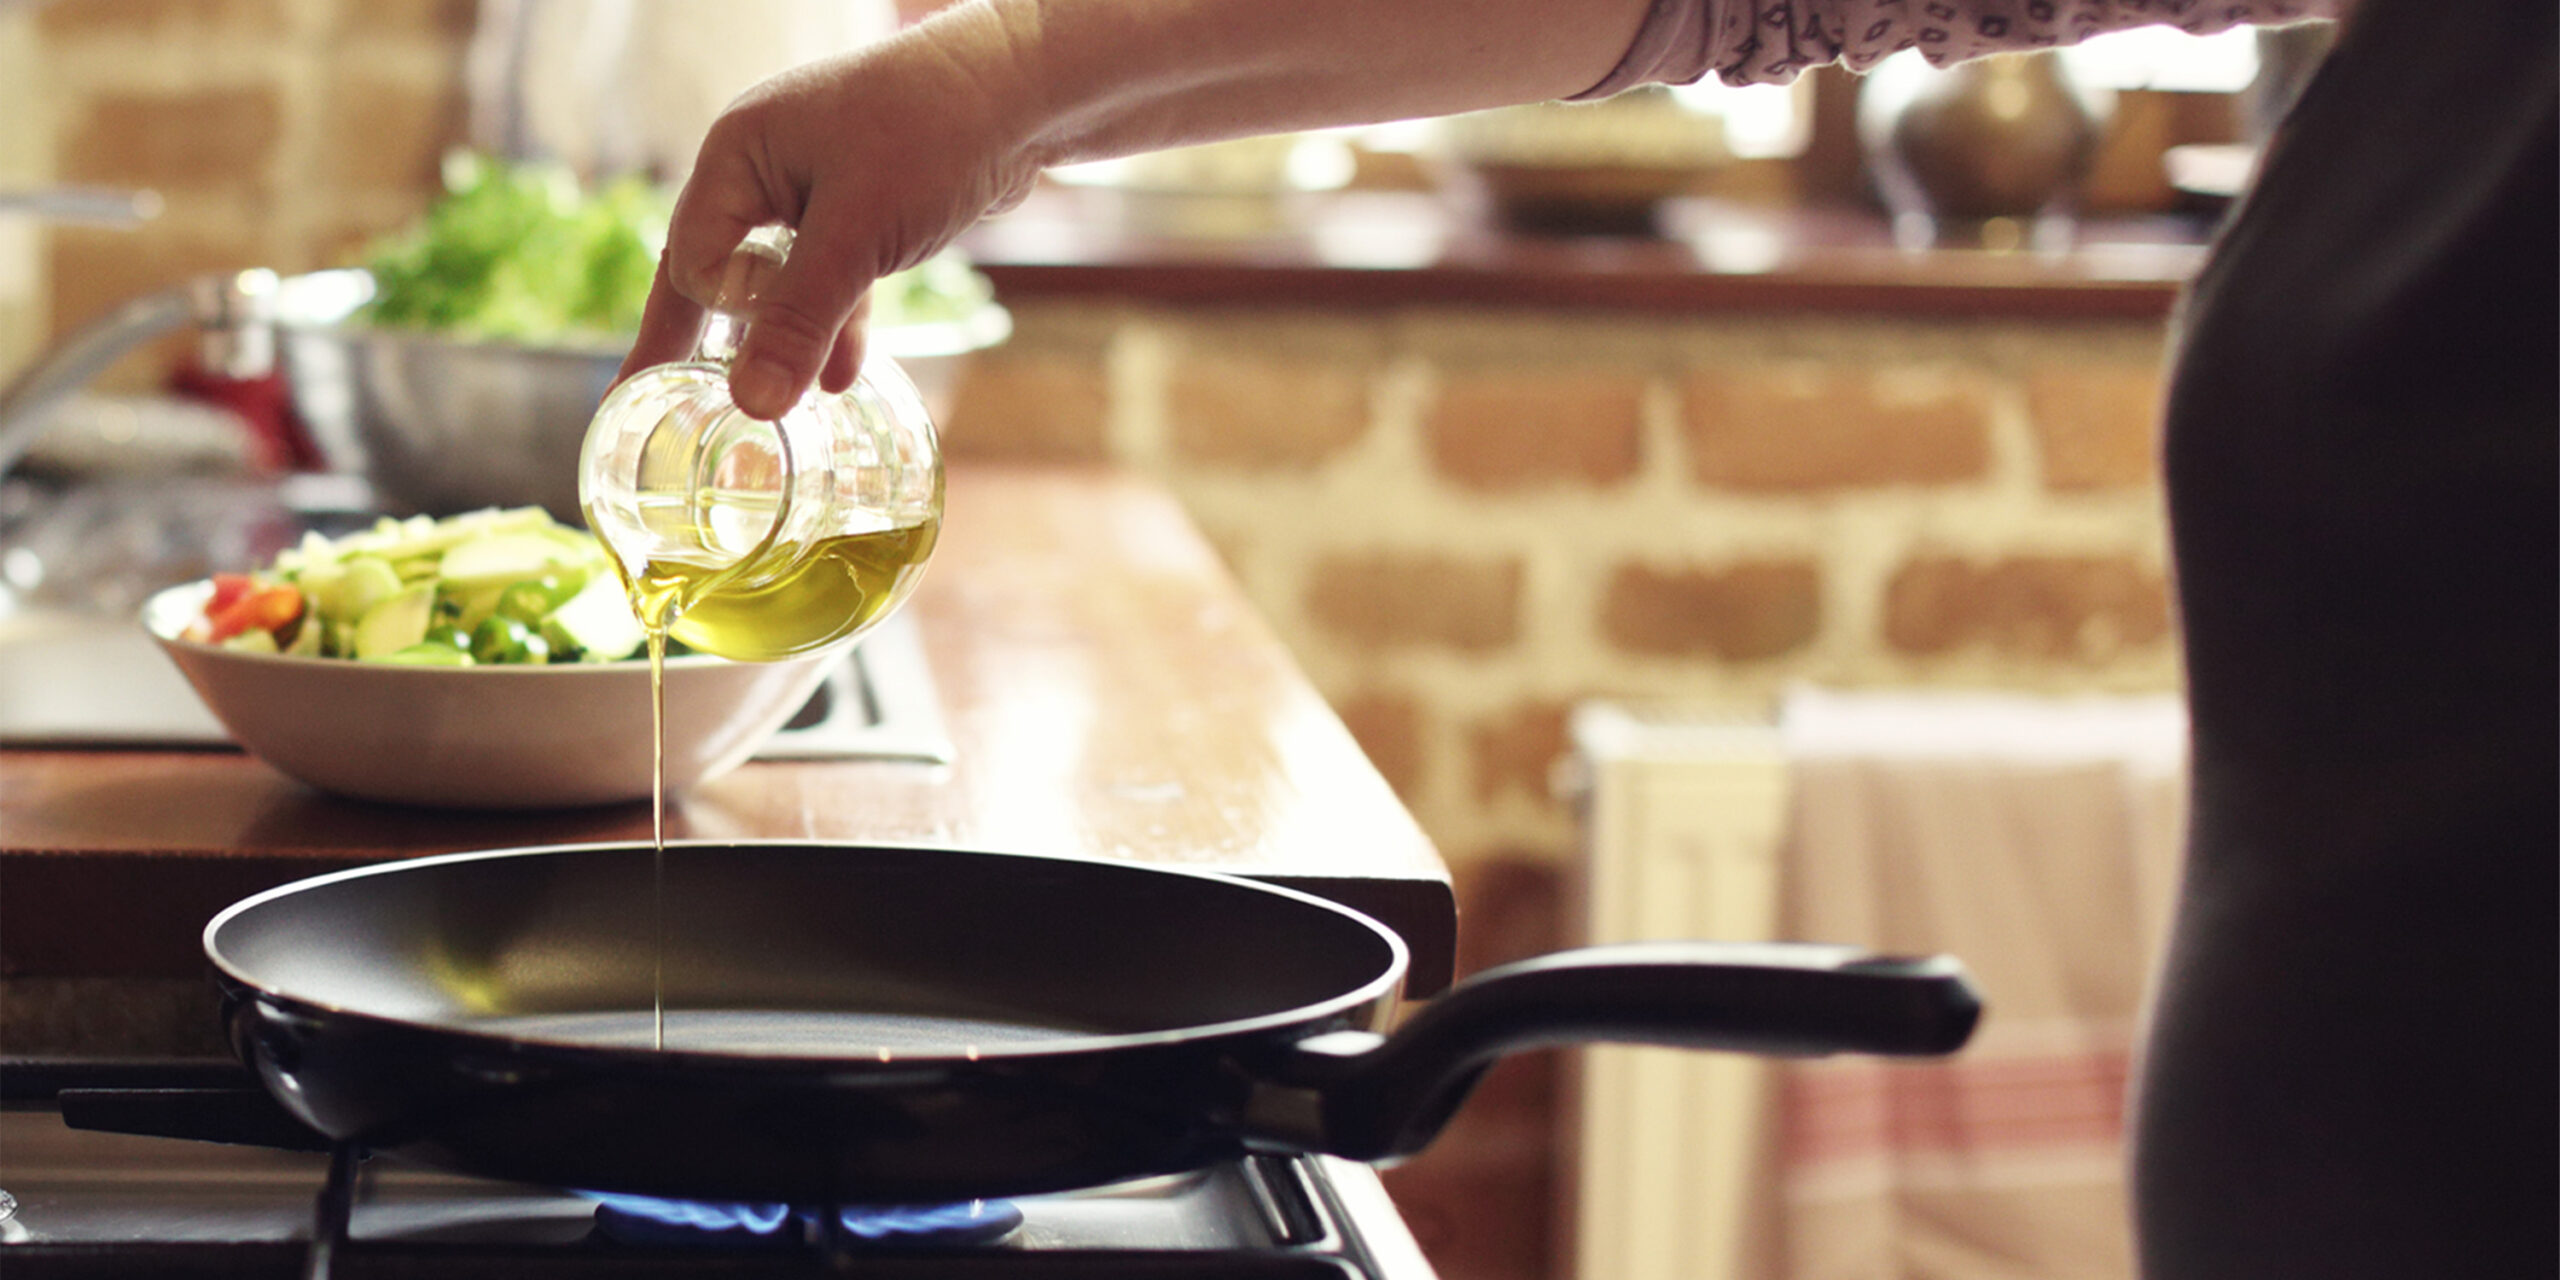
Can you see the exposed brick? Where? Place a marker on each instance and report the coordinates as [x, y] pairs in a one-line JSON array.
[[2082, 608], [449, 18], [1515, 751], [2126, 173], [164, 17], [90, 272], [208, 138], [1239, 408], [1480, 1200], [1808, 425], [350, 232], [1418, 599], [2096, 427], [1388, 727], [1738, 612], [382, 132], [1030, 405], [1505, 430]]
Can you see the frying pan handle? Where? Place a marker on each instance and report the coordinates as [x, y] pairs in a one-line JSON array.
[[1387, 1098]]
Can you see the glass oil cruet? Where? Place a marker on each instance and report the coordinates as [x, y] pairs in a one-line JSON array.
[[759, 540]]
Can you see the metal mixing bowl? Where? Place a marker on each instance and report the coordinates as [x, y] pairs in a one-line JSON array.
[[440, 425]]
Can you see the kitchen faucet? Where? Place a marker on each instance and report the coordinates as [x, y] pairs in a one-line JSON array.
[[234, 315], [97, 206]]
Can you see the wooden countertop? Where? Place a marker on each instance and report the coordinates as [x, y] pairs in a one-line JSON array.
[[1400, 249], [1108, 693]]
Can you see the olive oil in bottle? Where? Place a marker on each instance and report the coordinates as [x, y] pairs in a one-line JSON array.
[[755, 540], [828, 591]]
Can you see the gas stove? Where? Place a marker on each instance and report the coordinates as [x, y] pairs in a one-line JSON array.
[[82, 1202]]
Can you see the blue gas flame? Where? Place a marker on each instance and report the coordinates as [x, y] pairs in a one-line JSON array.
[[698, 1215], [962, 1222]]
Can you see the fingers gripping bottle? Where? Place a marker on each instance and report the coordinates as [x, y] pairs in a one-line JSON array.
[[758, 540]]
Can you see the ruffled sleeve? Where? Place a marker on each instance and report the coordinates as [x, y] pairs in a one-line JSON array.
[[1774, 41]]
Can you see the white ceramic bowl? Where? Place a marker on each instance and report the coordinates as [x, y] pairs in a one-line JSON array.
[[493, 737]]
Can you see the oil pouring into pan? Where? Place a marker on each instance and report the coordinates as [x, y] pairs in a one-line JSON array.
[[858, 1024]]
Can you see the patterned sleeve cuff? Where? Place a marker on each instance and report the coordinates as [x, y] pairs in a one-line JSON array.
[[1774, 41]]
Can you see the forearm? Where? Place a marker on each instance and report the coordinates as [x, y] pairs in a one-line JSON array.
[[882, 155], [1109, 78]]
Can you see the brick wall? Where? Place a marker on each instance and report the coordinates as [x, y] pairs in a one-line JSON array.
[[1463, 522], [26, 163], [279, 133]]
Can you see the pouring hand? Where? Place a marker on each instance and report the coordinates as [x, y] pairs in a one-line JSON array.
[[879, 157]]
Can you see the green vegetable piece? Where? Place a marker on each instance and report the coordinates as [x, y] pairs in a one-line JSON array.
[[252, 640], [468, 607], [427, 654], [495, 560], [307, 639], [314, 549], [447, 578], [346, 589], [520, 251], [598, 623], [531, 602], [564, 647], [321, 581], [395, 623], [504, 639], [424, 538], [370, 581]]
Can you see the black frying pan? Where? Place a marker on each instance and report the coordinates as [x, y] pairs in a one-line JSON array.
[[860, 1024]]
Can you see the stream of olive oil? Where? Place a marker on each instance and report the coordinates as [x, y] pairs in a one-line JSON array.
[[652, 602], [836, 588]]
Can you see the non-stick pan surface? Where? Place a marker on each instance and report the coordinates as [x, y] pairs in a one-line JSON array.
[[884, 1024]]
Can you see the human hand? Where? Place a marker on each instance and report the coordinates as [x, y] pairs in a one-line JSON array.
[[881, 156], [877, 159]]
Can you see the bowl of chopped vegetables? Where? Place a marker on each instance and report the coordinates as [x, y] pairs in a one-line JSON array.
[[464, 376], [488, 660]]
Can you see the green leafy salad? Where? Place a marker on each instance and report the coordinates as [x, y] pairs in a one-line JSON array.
[[509, 586], [523, 252]]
